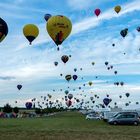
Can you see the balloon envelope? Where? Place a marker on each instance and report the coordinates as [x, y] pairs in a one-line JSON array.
[[28, 105], [3, 29], [124, 32], [127, 94], [106, 101], [68, 77], [47, 16], [30, 31], [65, 58], [75, 77], [59, 27], [90, 83], [97, 12], [68, 103], [117, 9], [70, 96], [19, 87], [55, 63]]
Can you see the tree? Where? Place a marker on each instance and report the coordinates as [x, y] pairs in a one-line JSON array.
[[16, 110], [38, 111], [7, 108]]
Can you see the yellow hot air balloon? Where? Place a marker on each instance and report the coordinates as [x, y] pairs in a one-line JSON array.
[[30, 31], [117, 9], [59, 27]]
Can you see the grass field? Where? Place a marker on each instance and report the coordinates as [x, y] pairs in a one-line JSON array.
[[65, 126]]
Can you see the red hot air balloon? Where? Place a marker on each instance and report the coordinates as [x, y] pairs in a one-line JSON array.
[[97, 12], [68, 103]]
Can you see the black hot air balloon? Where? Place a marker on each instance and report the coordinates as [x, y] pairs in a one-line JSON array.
[[70, 96], [120, 96], [121, 83], [75, 69], [115, 72], [127, 95], [113, 44], [47, 16], [124, 32], [138, 28], [19, 87], [3, 29], [55, 63], [65, 58], [75, 77], [106, 63], [106, 101]]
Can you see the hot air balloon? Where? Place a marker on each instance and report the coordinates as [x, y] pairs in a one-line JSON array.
[[108, 68], [55, 63], [137, 103], [97, 12], [47, 16], [93, 102], [79, 88], [66, 92], [106, 63], [111, 67], [138, 28], [59, 27], [127, 95], [28, 105], [30, 31], [19, 87], [124, 32], [91, 98], [107, 95], [127, 104], [90, 83], [93, 63], [113, 44], [75, 69], [106, 101], [3, 29], [117, 9], [75, 77], [121, 83], [68, 77], [68, 103], [65, 58], [70, 96], [115, 72]]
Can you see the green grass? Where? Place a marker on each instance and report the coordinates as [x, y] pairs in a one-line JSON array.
[[65, 126]]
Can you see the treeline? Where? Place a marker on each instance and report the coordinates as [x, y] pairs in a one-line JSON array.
[[52, 110], [8, 109]]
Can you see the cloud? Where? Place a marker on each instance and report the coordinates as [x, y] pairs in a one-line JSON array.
[[80, 4], [7, 78], [92, 22]]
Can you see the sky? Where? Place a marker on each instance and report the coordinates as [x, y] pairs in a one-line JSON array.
[[90, 41]]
